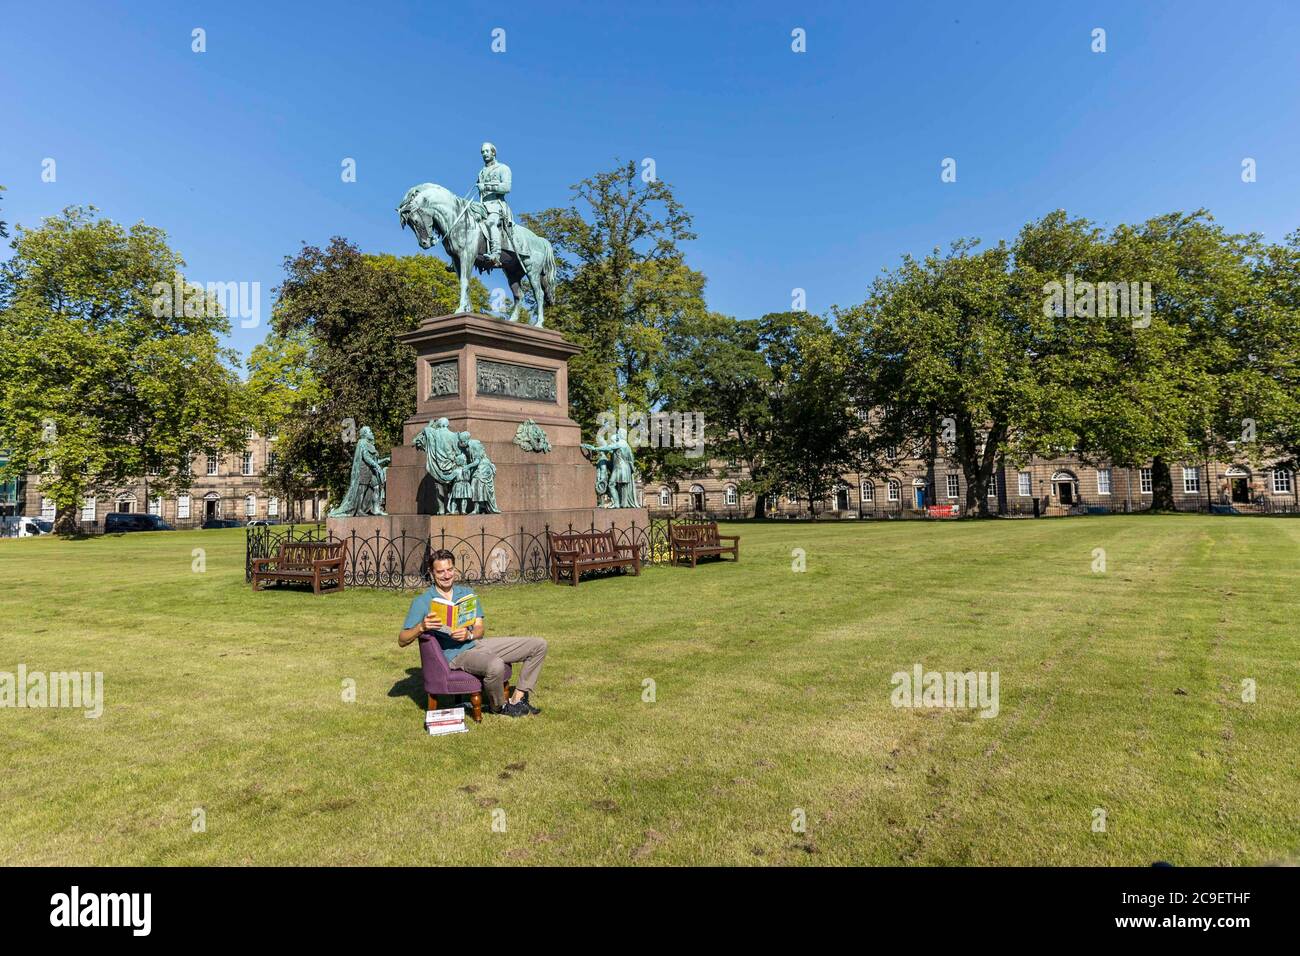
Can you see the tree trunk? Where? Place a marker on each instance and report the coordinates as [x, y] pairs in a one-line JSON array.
[[760, 506], [1162, 485], [65, 520]]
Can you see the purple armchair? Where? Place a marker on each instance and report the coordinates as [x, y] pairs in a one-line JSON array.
[[441, 681]]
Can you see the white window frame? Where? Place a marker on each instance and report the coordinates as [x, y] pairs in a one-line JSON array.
[[952, 485], [867, 493], [895, 491], [1144, 481], [1283, 481], [731, 499], [1103, 481], [273, 507], [155, 505], [214, 465], [993, 485], [1025, 484], [246, 464], [1191, 480], [183, 507], [250, 506], [665, 497], [48, 510], [88, 511]]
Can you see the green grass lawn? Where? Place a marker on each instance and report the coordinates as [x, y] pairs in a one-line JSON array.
[[1119, 690]]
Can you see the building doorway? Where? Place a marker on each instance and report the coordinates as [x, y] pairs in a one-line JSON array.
[[1066, 487], [211, 508], [842, 499], [697, 498], [1238, 485], [918, 494], [125, 505]]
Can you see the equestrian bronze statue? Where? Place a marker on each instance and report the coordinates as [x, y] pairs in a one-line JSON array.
[[481, 234]]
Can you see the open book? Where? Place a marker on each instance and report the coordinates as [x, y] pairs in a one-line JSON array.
[[454, 615]]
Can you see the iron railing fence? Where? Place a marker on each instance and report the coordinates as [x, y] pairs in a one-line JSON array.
[[402, 562]]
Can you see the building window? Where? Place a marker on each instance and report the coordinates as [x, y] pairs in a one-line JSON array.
[[731, 495], [250, 505], [1103, 481], [155, 505], [212, 464], [892, 452], [953, 487], [183, 506], [271, 461], [248, 433], [247, 464], [189, 465], [868, 493], [1191, 480], [273, 507], [1281, 481], [47, 509], [1024, 484], [993, 485], [1144, 481], [153, 471], [894, 489], [88, 510]]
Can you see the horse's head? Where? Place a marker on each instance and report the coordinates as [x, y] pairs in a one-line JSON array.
[[429, 210], [410, 213]]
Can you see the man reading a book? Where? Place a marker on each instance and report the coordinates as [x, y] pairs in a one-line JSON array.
[[452, 614]]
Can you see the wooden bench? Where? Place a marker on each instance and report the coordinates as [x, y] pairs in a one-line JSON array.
[[579, 551], [317, 563], [700, 539]]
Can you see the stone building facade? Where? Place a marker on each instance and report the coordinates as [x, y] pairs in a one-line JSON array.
[[222, 486], [1061, 485]]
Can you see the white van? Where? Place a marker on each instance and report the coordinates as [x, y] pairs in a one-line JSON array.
[[25, 526]]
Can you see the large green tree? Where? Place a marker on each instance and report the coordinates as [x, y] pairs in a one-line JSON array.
[[622, 282], [949, 356], [1163, 384], [103, 380]]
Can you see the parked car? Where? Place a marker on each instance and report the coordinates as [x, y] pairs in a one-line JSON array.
[[118, 521], [223, 523], [262, 522]]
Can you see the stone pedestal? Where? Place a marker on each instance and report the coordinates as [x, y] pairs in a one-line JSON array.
[[487, 376]]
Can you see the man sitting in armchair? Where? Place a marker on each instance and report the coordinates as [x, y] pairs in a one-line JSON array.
[[467, 649]]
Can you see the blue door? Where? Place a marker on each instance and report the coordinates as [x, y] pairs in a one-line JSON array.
[[920, 499]]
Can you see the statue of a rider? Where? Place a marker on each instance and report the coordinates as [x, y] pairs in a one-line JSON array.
[[493, 184]]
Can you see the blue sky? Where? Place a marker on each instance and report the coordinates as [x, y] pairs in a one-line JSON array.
[[811, 170]]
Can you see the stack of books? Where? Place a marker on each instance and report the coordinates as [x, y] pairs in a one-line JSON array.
[[449, 721]]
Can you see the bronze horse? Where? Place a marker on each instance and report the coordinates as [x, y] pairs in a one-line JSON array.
[[437, 214]]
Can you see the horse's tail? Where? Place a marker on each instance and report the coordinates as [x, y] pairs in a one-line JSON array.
[[548, 271]]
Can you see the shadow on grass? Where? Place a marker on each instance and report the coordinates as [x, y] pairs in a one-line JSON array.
[[411, 686]]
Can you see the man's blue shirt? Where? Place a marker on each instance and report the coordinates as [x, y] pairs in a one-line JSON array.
[[420, 609]]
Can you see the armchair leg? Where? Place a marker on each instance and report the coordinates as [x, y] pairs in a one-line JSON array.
[[476, 701], [433, 703]]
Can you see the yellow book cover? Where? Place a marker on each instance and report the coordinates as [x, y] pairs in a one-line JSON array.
[[454, 616]]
